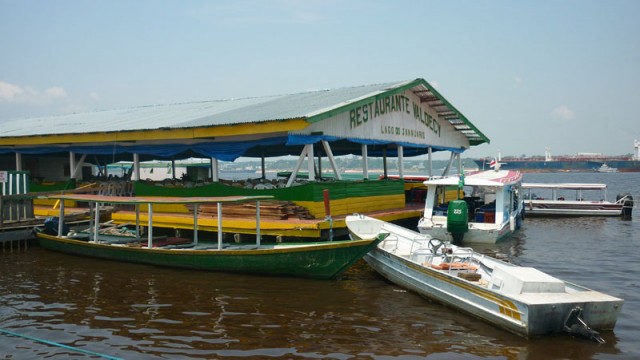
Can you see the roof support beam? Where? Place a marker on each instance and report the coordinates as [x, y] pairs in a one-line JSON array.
[[430, 162], [332, 160], [294, 173], [136, 166], [18, 161], [75, 166], [365, 162], [445, 172], [384, 163], [401, 161], [311, 168], [215, 170]]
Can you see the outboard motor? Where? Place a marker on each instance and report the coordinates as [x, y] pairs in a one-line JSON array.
[[627, 205], [51, 226], [457, 220], [576, 326]]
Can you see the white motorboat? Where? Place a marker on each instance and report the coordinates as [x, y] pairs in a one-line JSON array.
[[604, 168], [522, 300], [492, 201], [573, 199]]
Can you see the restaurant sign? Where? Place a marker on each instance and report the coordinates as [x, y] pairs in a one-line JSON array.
[[396, 104]]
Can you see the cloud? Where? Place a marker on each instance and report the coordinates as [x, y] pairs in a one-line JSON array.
[[517, 81], [28, 95], [8, 92], [563, 112], [55, 92]]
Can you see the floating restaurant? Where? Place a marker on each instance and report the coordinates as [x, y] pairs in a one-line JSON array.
[[392, 120]]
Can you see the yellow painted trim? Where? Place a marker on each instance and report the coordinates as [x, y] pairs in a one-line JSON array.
[[355, 204], [52, 202], [316, 208], [167, 208], [505, 306], [266, 127]]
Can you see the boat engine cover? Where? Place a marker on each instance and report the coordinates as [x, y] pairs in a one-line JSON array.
[[519, 280], [458, 217]]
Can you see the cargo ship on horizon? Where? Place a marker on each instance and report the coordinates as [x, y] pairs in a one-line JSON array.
[[581, 162]]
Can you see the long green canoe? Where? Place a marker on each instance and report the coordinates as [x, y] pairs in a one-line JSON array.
[[326, 260], [320, 260]]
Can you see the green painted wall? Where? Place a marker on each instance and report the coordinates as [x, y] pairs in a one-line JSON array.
[[52, 186], [308, 192]]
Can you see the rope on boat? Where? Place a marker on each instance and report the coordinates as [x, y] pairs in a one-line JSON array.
[[52, 343]]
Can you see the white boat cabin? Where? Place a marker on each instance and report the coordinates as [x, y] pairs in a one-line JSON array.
[[493, 201]]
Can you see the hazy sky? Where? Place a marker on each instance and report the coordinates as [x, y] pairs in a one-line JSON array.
[[529, 74]]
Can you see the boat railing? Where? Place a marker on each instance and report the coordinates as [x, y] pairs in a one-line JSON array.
[[420, 241], [390, 244], [624, 198], [461, 254], [422, 256]]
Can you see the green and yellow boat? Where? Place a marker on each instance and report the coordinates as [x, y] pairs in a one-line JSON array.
[[319, 260]]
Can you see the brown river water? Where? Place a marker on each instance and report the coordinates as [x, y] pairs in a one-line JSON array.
[[128, 311]]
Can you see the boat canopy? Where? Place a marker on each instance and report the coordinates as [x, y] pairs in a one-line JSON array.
[[564, 186], [481, 178]]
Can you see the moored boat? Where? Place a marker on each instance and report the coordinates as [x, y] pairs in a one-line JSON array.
[[487, 201], [522, 300], [574, 199], [321, 260], [604, 168]]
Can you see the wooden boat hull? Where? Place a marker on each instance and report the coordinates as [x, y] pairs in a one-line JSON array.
[[326, 260], [541, 305]]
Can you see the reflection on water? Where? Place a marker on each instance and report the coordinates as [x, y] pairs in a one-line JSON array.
[[142, 312], [128, 310]]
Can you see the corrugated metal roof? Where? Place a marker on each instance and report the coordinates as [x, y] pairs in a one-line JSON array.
[[313, 106]]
